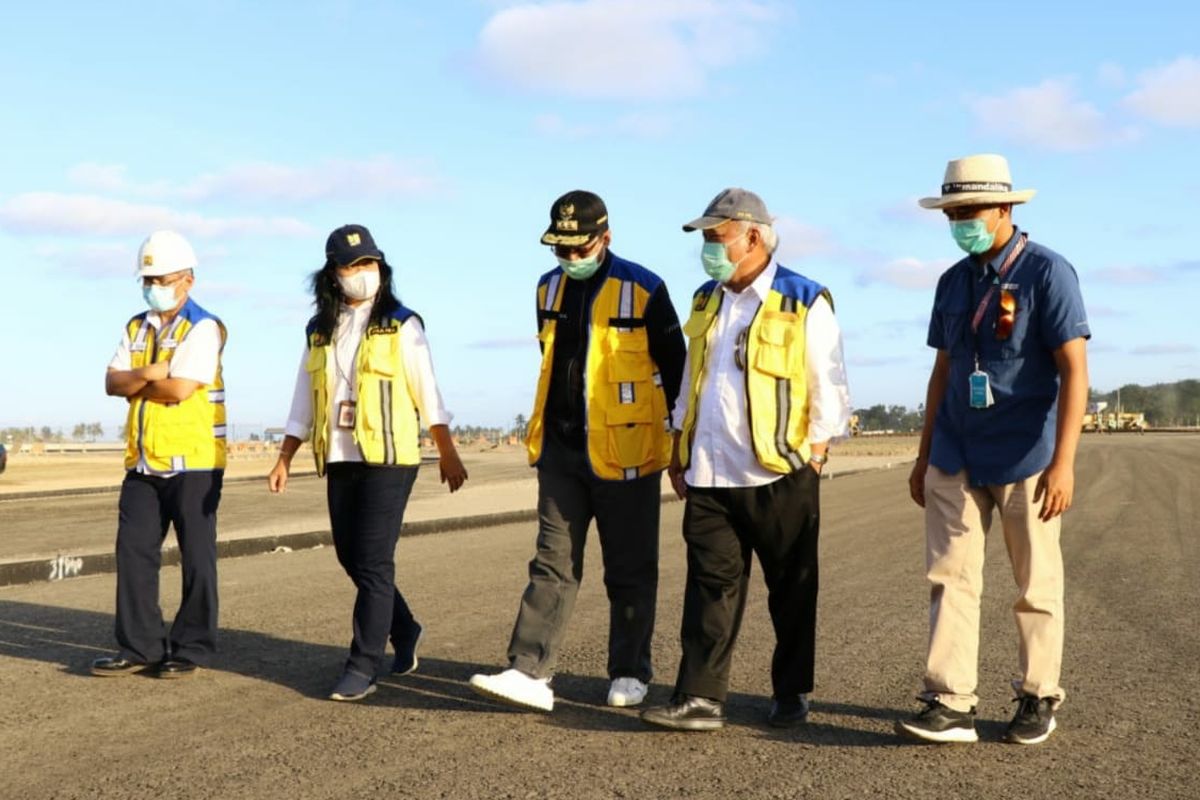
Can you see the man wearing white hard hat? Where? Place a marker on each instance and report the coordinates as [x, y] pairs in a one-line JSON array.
[[168, 367], [1003, 415]]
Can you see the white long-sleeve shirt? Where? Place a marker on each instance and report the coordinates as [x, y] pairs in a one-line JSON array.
[[418, 371], [722, 453]]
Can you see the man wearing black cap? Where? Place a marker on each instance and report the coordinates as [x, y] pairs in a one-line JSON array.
[[763, 395], [612, 356]]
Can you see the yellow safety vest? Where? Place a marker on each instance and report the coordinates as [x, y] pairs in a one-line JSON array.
[[626, 409], [776, 373], [386, 428], [175, 437]]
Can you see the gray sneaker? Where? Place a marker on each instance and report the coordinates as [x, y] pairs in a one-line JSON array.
[[939, 723], [1034, 721], [352, 686]]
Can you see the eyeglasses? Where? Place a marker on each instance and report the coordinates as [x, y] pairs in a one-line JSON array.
[[1007, 315], [165, 280], [580, 251]]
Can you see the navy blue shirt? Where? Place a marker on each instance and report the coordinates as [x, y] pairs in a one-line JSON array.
[[1014, 438]]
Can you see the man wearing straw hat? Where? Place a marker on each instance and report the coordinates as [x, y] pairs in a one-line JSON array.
[[1002, 420]]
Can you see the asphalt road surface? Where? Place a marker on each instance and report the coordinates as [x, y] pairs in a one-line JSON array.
[[256, 725], [88, 523]]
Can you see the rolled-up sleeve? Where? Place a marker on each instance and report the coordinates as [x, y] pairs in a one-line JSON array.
[[199, 354], [418, 368], [828, 389], [300, 416]]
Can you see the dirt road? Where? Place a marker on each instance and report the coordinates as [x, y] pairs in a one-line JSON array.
[[256, 725]]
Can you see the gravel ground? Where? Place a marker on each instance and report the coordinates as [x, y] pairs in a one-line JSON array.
[[255, 725]]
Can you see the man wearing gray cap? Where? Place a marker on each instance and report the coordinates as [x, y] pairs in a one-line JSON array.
[[762, 397]]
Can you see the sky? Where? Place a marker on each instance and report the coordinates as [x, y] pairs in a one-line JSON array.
[[449, 129]]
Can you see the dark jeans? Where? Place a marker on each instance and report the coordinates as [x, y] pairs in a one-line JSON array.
[[147, 507], [366, 509], [626, 514], [779, 522]]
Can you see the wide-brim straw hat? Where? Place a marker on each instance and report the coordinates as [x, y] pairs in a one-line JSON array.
[[982, 180]]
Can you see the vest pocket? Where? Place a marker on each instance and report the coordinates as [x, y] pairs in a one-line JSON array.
[[775, 352], [630, 433], [382, 357]]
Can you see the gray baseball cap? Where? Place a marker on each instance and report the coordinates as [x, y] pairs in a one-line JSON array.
[[733, 203]]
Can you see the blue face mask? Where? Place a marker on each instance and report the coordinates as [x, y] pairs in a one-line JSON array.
[[972, 235], [715, 257], [160, 298]]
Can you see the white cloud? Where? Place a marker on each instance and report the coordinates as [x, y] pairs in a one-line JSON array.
[[644, 125], [335, 179], [93, 260], [906, 273], [80, 214], [799, 240], [1048, 115], [622, 48], [1170, 94]]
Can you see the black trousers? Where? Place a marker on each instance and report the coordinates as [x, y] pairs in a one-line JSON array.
[[626, 514], [779, 522], [366, 509], [147, 507]]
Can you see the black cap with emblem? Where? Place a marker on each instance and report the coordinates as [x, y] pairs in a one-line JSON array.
[[351, 243], [576, 218]]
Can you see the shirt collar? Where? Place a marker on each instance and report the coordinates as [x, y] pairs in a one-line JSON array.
[[992, 265], [761, 285]]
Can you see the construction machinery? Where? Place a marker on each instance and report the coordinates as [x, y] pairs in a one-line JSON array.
[[1099, 419]]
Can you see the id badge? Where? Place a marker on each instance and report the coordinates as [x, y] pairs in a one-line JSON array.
[[346, 414], [981, 390]]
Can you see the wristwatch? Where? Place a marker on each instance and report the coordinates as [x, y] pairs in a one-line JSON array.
[[819, 460]]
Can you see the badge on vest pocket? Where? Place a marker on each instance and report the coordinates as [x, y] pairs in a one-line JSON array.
[[981, 390], [346, 411]]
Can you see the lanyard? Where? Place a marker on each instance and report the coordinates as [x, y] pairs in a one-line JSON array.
[[1004, 268]]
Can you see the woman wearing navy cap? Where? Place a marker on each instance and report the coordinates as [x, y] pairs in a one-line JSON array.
[[365, 376]]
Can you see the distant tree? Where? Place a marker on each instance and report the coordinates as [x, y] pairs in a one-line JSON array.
[[79, 432], [46, 433]]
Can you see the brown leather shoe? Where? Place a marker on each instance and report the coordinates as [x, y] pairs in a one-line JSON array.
[[687, 713]]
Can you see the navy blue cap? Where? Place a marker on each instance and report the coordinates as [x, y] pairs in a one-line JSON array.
[[351, 243]]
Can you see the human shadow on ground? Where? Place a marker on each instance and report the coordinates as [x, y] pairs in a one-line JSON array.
[[71, 638]]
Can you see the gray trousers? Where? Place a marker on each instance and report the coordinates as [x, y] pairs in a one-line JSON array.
[[626, 514]]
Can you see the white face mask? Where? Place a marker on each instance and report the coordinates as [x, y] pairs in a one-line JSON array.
[[362, 285]]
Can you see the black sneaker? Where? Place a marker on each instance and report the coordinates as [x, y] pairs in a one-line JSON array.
[[1034, 721], [939, 723]]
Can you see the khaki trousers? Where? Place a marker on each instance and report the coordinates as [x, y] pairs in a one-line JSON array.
[[957, 518]]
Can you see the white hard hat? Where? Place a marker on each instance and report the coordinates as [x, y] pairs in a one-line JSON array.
[[164, 252]]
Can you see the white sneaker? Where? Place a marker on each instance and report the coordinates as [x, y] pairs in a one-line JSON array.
[[516, 688], [626, 692]]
